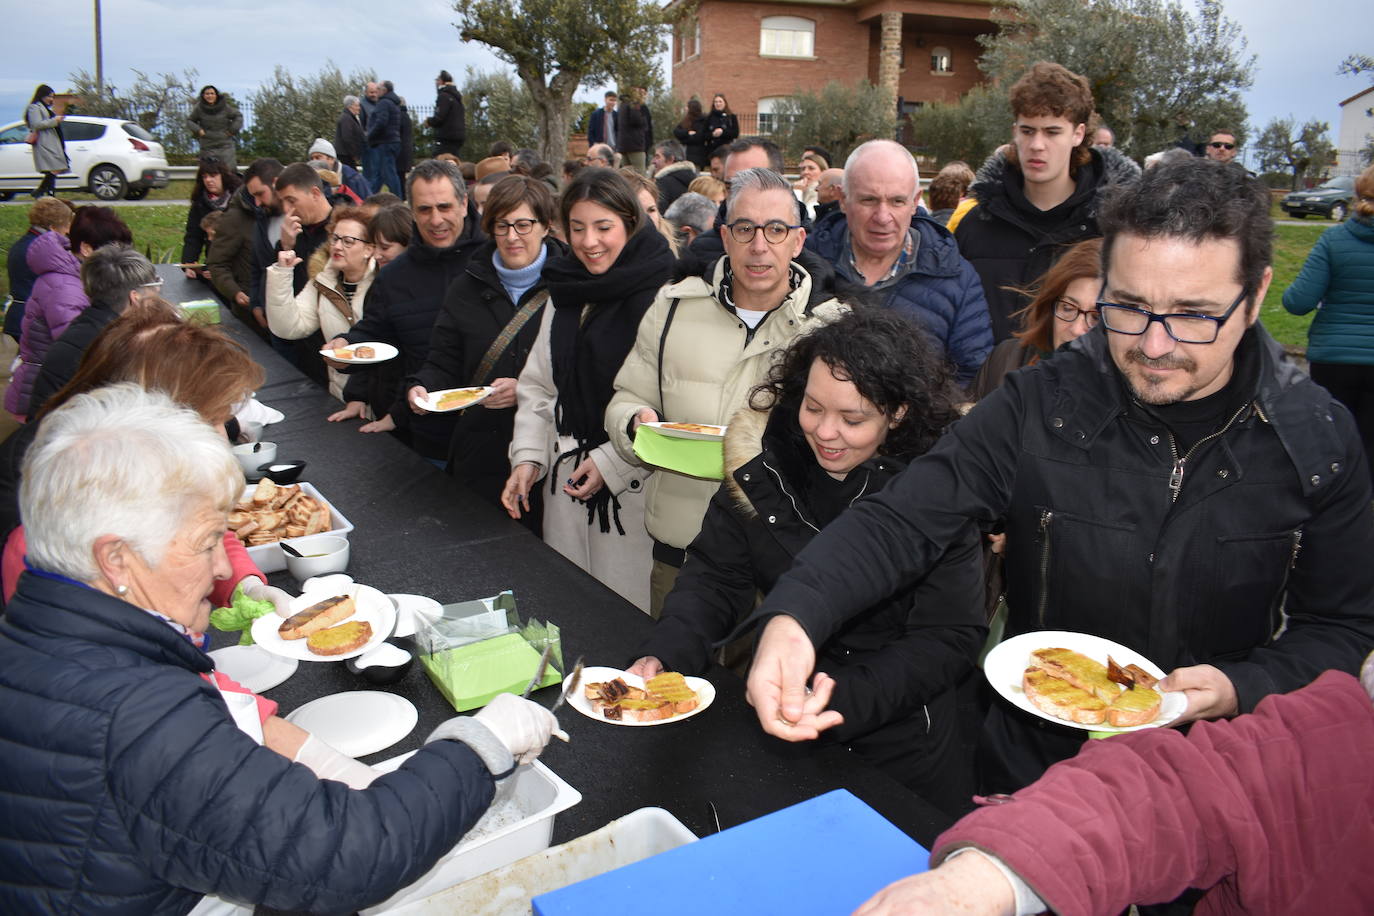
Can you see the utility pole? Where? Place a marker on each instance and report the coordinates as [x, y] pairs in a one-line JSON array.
[[99, 54]]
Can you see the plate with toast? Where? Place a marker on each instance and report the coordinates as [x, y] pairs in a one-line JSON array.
[[454, 398], [675, 430], [364, 354], [1081, 681], [329, 626], [619, 698]]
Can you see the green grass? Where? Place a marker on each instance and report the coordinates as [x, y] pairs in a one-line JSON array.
[[1291, 246], [157, 233]]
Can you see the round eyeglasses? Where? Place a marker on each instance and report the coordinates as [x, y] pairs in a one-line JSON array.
[[774, 231], [1184, 328], [521, 226]]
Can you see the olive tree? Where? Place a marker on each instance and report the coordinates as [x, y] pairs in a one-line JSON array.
[[158, 102], [498, 108], [838, 117], [1302, 152], [289, 111]]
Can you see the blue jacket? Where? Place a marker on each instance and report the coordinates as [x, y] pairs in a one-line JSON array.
[[1338, 277], [354, 180], [384, 123], [596, 125], [127, 788], [941, 291]]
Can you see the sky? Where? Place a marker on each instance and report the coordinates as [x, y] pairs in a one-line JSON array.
[[236, 44]]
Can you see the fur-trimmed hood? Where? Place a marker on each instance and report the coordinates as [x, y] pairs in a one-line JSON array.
[[672, 167], [743, 443], [1109, 164]]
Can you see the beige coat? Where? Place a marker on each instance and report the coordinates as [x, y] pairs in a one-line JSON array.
[[709, 368], [320, 306], [621, 562]]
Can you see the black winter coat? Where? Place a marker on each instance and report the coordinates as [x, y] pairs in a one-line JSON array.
[[127, 787], [1011, 242], [895, 664], [693, 140], [402, 306], [476, 309], [729, 130], [1271, 530], [449, 120], [194, 240], [633, 129], [384, 122], [349, 139]]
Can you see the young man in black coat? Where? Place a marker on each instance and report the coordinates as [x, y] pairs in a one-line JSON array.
[[449, 121]]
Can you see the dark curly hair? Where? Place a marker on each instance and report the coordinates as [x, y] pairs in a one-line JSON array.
[[891, 362]]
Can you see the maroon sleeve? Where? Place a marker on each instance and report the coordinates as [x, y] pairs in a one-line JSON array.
[[240, 565]]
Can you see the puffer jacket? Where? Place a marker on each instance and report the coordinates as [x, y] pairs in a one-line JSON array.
[[402, 305], [940, 292], [1011, 242], [320, 306], [710, 361], [672, 181], [449, 120], [127, 788], [1338, 276], [894, 664], [1257, 563], [384, 123], [1264, 812], [221, 123], [56, 300]]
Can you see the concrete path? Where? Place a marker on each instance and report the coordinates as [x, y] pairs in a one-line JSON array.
[[24, 200]]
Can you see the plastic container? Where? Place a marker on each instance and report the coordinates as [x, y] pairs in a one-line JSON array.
[[506, 891], [536, 790], [269, 557]]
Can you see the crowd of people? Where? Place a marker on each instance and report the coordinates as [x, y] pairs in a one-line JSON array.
[[1041, 387]]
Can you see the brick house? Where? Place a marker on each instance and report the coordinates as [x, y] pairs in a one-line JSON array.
[[756, 51]]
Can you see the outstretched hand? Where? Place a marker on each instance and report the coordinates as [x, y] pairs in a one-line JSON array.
[[777, 688]]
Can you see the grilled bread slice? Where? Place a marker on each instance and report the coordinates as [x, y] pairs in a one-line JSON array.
[[317, 617], [1061, 699], [337, 640], [1079, 670], [672, 689], [1134, 707]]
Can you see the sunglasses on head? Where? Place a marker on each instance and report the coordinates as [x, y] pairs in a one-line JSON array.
[[1217, 144]]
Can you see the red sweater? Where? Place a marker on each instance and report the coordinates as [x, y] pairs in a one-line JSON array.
[[1272, 811]]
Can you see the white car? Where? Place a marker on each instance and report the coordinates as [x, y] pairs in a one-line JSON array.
[[110, 157]]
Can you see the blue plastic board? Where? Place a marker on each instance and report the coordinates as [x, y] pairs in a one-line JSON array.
[[824, 856]]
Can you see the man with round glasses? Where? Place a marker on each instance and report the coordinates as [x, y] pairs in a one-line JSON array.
[[708, 340], [1169, 481]]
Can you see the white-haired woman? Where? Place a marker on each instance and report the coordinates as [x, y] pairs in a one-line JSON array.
[[127, 785]]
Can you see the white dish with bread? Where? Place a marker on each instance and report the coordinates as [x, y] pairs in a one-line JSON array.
[[363, 354], [682, 697], [451, 399], [330, 625], [268, 513], [1063, 677]]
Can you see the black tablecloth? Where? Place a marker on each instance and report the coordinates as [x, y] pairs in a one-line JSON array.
[[417, 530]]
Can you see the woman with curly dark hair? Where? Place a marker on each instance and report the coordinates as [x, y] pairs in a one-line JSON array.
[[214, 188], [842, 411]]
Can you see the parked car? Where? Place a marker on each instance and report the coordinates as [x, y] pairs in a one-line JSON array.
[[1330, 199], [110, 157]]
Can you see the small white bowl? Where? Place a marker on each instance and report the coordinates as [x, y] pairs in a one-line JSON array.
[[249, 460], [323, 554]]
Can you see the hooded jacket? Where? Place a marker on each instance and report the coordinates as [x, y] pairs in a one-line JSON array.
[[695, 361], [230, 259], [449, 120], [1337, 279], [127, 787], [672, 181], [1011, 242], [939, 292], [56, 300], [1249, 551]]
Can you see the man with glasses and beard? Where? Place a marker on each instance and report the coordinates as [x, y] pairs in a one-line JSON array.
[[1169, 481]]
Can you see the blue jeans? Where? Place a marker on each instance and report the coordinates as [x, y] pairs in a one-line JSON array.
[[384, 157]]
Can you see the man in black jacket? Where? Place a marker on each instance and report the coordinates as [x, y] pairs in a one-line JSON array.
[[1169, 481], [1038, 195], [406, 298], [449, 121]]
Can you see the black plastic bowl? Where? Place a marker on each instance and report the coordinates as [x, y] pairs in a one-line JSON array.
[[282, 471]]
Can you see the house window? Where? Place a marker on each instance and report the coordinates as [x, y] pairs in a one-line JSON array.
[[787, 36], [941, 61], [768, 116], [694, 29]]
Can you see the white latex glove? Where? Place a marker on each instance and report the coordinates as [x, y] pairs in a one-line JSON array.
[[328, 763], [259, 590], [522, 726]]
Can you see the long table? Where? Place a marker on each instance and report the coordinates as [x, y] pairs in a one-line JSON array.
[[419, 531]]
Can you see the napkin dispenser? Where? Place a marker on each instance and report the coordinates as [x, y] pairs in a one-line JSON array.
[[477, 649], [823, 856]]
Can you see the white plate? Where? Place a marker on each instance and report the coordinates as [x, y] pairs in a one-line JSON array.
[[431, 403], [385, 351], [409, 608], [594, 674], [372, 607], [358, 722], [253, 667], [667, 429], [1007, 662]]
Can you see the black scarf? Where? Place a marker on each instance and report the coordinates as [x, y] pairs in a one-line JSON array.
[[589, 349]]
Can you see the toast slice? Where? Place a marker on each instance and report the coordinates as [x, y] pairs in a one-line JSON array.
[[1060, 699], [317, 617], [1134, 707], [1079, 670], [337, 640]]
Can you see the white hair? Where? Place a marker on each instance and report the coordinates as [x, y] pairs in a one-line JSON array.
[[125, 461], [872, 146]]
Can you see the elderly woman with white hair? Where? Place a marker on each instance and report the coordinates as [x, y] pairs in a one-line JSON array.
[[127, 785]]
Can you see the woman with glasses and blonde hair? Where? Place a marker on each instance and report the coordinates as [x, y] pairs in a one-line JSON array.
[[487, 327], [341, 273]]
